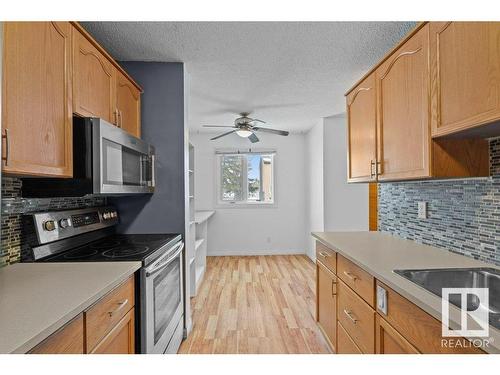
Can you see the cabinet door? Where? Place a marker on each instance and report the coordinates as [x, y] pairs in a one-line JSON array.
[[390, 341], [93, 81], [465, 67], [362, 129], [128, 104], [36, 105], [120, 340], [68, 340], [403, 102], [326, 303]]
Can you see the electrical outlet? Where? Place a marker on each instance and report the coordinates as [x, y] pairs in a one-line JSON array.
[[422, 210]]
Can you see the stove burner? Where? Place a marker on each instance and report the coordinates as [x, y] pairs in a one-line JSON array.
[[105, 245], [80, 254], [125, 251]]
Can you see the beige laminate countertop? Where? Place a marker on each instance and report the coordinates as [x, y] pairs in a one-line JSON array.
[[380, 253], [36, 299]]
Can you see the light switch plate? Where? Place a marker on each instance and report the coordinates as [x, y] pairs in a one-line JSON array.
[[381, 300], [422, 210]]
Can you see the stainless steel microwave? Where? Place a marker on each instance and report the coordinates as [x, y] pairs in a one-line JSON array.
[[106, 161]]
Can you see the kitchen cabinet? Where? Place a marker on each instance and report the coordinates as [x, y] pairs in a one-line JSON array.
[[390, 341], [403, 122], [403, 111], [360, 327], [120, 340], [93, 81], [107, 327], [67, 340], [128, 105], [326, 313], [362, 127], [465, 75], [36, 104]]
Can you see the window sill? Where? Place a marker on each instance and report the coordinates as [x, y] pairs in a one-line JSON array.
[[230, 206]]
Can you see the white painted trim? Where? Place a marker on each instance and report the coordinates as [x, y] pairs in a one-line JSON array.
[[256, 252]]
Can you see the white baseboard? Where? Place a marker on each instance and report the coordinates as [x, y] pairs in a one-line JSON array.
[[254, 252]]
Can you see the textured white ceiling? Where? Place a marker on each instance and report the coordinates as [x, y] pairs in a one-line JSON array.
[[289, 74]]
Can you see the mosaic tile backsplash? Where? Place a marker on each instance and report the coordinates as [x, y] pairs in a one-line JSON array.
[[463, 215], [13, 207]]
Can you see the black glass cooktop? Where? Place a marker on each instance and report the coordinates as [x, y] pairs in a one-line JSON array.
[[117, 247]]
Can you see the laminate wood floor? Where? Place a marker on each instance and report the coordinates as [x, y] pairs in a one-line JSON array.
[[256, 304]]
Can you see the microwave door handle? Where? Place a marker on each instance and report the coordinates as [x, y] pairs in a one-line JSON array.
[[153, 167], [161, 265]]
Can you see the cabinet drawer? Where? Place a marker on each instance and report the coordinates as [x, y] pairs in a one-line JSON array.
[[107, 312], [357, 317], [120, 340], [345, 345], [421, 329], [326, 256], [357, 279]]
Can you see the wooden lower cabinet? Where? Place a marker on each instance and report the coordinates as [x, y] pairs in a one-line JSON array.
[[390, 341], [67, 340], [107, 327], [326, 313], [120, 340], [345, 345]]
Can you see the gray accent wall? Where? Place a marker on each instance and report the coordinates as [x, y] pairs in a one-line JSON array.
[[162, 109], [463, 215]]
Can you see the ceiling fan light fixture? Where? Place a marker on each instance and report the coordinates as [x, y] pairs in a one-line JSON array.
[[243, 133]]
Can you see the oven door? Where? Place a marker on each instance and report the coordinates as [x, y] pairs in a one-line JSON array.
[[161, 300], [122, 163]]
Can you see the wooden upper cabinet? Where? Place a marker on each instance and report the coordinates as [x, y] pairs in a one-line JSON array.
[[403, 115], [128, 105], [361, 114], [465, 75], [94, 80], [36, 105]]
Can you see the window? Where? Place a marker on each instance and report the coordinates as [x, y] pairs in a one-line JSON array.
[[245, 178]]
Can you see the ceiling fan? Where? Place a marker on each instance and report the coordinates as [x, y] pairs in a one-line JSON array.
[[245, 127]]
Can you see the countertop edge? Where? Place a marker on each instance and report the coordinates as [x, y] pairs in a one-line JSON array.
[[44, 334], [408, 295]]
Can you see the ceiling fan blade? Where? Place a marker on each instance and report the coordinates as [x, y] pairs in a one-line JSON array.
[[217, 126], [274, 131], [253, 138], [257, 120], [222, 135]]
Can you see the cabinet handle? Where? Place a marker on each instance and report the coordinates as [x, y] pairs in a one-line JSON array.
[[351, 316], [351, 276], [372, 164], [121, 305], [379, 170], [115, 113], [324, 255], [334, 288], [7, 147], [121, 119]]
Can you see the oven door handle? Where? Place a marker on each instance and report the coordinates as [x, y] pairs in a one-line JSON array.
[[158, 266]]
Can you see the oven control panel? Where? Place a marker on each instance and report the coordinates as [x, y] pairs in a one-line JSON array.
[[56, 225]]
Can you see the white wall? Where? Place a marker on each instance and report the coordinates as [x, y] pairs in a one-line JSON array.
[[333, 204], [346, 205], [249, 231], [315, 184]]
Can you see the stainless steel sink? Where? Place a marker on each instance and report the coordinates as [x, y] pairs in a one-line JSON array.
[[433, 280]]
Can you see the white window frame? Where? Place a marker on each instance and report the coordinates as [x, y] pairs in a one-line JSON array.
[[219, 203]]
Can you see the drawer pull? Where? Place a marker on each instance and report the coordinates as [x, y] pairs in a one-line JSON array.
[[324, 255], [351, 276], [351, 316], [121, 305]]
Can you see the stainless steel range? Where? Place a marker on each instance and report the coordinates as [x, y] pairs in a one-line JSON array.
[[87, 235]]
